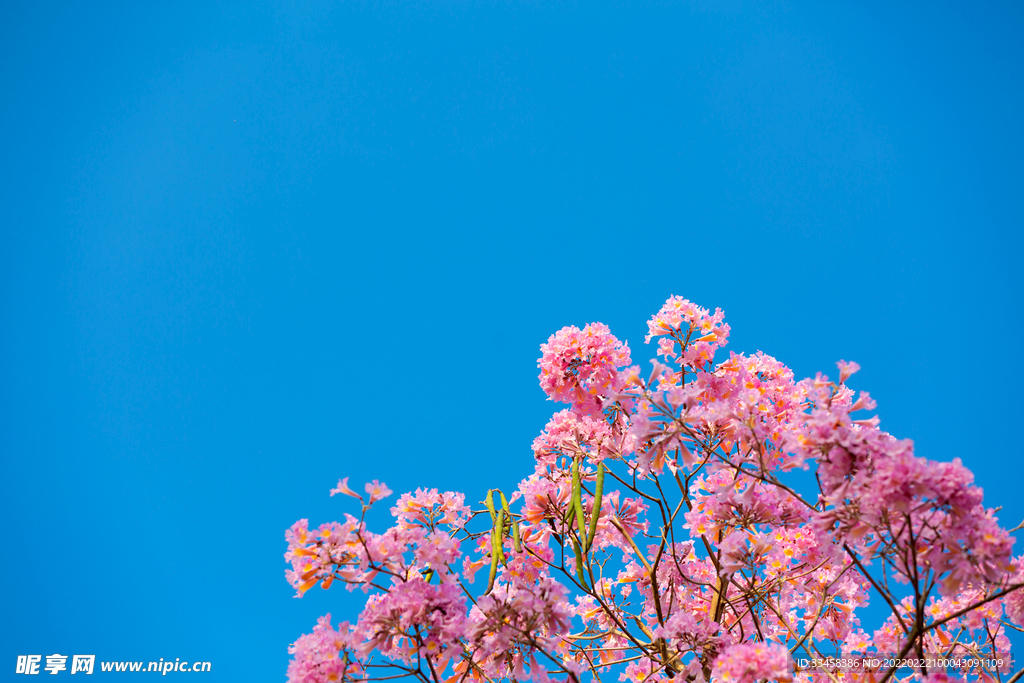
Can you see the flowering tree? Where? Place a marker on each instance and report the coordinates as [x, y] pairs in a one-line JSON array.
[[669, 529]]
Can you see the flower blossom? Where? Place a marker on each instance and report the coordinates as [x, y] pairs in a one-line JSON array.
[[697, 331], [581, 366], [750, 662], [429, 508], [317, 655], [435, 613], [663, 532]]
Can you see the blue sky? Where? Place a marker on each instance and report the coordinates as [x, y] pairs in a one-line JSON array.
[[252, 248]]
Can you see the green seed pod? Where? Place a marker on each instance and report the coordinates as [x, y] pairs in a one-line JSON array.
[[570, 512], [596, 512], [497, 532], [579, 563], [577, 503], [489, 502], [516, 542], [498, 536], [494, 572]]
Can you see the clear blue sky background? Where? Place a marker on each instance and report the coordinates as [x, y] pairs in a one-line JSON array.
[[251, 248]]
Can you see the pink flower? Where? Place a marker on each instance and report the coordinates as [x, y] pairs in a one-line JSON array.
[[750, 662], [1014, 602], [438, 549], [454, 510], [317, 655], [734, 552], [939, 677], [428, 508], [581, 366], [570, 434], [695, 329], [528, 604], [377, 491], [437, 613], [846, 369], [342, 487]]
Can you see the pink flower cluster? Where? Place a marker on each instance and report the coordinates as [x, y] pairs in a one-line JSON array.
[[528, 609], [421, 540], [749, 662], [410, 618], [664, 533], [581, 367], [1015, 601], [690, 334], [430, 509], [320, 656], [879, 494], [574, 436]]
